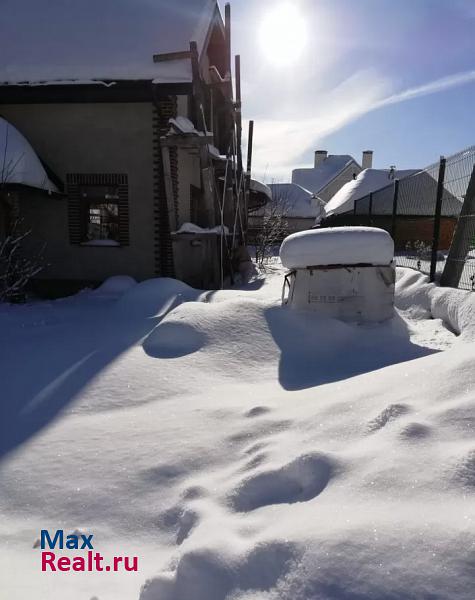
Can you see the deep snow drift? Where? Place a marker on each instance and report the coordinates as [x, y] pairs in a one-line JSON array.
[[240, 449]]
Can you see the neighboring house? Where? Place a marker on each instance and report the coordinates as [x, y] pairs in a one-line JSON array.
[[330, 173], [300, 208], [130, 106], [369, 200], [369, 180]]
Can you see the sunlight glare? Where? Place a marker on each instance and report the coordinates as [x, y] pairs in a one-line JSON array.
[[283, 34]]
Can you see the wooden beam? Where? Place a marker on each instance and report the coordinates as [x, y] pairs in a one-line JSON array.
[[168, 181], [227, 35], [208, 183], [166, 56], [238, 114], [197, 87], [186, 141], [120, 91], [249, 148]]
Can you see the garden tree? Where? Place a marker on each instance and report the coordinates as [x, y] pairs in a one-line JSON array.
[[273, 230], [17, 268]]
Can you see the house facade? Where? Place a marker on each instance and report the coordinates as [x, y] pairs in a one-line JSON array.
[[135, 149]]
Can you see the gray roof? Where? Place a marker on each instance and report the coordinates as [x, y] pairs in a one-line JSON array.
[[59, 40], [295, 201], [417, 197], [367, 181], [317, 178]]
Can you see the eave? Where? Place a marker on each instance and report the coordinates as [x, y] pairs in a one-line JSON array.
[[113, 91]]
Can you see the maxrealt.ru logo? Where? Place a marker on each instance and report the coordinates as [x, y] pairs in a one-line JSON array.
[[89, 560]]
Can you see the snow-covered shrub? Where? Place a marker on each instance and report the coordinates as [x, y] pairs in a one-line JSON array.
[[16, 269], [273, 230]]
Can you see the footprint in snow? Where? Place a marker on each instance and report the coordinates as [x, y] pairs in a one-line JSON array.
[[298, 481], [257, 411], [391, 412], [415, 431], [263, 429], [179, 520]]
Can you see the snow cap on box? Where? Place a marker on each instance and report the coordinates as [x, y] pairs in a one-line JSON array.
[[337, 246]]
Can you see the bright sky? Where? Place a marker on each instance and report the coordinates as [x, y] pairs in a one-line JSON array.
[[394, 76]]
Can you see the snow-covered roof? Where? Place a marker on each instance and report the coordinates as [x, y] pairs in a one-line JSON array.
[[337, 246], [296, 201], [317, 178], [260, 188], [367, 181], [19, 163], [99, 39]]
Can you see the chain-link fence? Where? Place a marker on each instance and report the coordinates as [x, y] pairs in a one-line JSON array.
[[423, 212]]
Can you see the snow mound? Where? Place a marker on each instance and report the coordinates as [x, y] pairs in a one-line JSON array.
[[155, 297], [336, 246], [456, 308], [241, 450], [262, 340], [173, 339], [116, 286]]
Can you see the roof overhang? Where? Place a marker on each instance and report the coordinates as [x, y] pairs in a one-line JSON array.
[[94, 92]]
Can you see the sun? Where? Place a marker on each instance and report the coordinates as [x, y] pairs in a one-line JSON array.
[[283, 34]]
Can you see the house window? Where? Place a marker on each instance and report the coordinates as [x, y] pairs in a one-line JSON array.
[[98, 209], [100, 212]]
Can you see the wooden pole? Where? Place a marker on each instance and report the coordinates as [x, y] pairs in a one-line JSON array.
[[394, 216], [227, 35], [197, 88], [207, 171], [438, 211], [249, 148], [238, 113], [168, 181]]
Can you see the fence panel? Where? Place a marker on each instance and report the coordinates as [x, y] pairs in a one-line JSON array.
[[422, 227], [415, 219], [460, 185]]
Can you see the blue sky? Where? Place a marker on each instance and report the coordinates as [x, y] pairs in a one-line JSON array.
[[397, 77]]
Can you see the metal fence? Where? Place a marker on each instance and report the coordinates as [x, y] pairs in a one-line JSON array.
[[431, 217]]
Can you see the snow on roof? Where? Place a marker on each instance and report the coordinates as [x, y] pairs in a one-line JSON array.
[[367, 181], [260, 188], [196, 229], [296, 201], [337, 246], [19, 163], [317, 178], [99, 40]]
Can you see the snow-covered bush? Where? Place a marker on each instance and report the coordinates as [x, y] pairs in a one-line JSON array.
[[16, 269], [273, 230]]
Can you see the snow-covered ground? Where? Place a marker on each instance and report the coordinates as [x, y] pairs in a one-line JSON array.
[[240, 449], [467, 277]]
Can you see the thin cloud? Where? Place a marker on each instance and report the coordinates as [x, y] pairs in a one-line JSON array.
[[280, 144], [439, 85]]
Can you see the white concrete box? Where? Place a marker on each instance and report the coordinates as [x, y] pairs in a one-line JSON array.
[[346, 273]]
